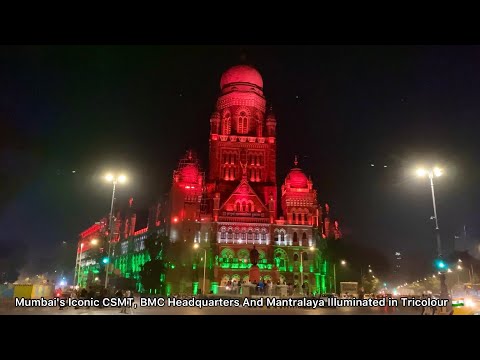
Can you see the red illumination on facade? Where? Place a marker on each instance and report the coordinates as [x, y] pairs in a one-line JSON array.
[[91, 230], [235, 207], [141, 231]]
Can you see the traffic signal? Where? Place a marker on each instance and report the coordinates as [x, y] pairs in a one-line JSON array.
[[440, 264], [106, 260]]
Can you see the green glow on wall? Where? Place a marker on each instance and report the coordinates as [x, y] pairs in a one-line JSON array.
[[214, 287], [290, 268], [195, 287], [194, 266], [311, 268], [172, 266], [168, 289]]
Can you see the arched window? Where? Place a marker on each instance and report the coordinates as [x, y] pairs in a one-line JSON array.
[[243, 255], [230, 234], [282, 236], [256, 235], [226, 124], [244, 206], [223, 233], [295, 237], [294, 218], [237, 207], [242, 124], [295, 257], [264, 235], [305, 256], [236, 234], [250, 235], [304, 236]]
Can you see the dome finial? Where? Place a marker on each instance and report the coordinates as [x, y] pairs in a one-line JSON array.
[[295, 162]]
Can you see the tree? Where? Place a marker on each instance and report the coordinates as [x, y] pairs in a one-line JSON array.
[[370, 284], [152, 271]]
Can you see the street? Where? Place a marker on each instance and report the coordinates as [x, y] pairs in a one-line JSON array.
[[167, 310]]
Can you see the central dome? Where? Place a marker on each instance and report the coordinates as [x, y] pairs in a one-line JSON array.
[[297, 179], [241, 74]]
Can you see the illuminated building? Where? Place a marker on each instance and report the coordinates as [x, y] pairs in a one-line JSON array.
[[234, 206]]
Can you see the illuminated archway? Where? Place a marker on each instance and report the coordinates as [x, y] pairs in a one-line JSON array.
[[281, 259]]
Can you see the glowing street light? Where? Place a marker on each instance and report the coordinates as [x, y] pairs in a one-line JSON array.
[[343, 262], [436, 172], [197, 246], [113, 179], [459, 267]]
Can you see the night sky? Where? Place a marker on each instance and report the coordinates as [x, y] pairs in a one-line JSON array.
[[89, 109]]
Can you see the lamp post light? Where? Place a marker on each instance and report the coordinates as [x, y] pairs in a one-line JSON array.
[[114, 180], [343, 263], [196, 246], [436, 172]]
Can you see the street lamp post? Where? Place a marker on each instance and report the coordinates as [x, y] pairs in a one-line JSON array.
[[436, 172], [343, 262], [114, 180], [196, 246]]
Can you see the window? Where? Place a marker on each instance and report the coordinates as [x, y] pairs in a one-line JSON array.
[[295, 257], [124, 247], [304, 236], [226, 124], [264, 235], [242, 124], [223, 233], [250, 235], [282, 236], [294, 218], [256, 235], [305, 256], [230, 234], [295, 237]]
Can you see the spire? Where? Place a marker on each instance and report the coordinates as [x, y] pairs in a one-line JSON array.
[[189, 154], [295, 162]]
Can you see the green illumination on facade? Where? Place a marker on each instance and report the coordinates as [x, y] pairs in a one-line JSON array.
[[312, 268], [214, 288], [195, 287], [194, 266], [168, 289], [290, 268]]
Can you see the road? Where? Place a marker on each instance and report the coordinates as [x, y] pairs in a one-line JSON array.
[[167, 310]]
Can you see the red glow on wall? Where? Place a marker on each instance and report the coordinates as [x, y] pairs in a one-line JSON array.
[[141, 231], [175, 219], [91, 230]]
